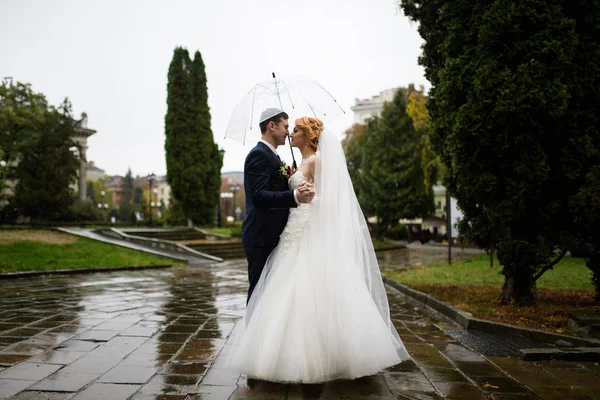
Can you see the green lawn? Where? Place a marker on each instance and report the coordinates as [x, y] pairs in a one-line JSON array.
[[37, 250], [381, 245], [569, 274], [225, 231], [472, 286]]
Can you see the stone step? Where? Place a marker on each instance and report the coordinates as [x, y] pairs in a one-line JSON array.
[[225, 250]]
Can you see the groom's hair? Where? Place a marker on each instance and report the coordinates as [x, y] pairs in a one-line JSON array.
[[275, 118]]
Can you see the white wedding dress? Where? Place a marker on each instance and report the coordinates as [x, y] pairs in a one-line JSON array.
[[315, 315]]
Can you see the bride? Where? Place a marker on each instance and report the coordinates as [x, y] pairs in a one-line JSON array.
[[319, 311]]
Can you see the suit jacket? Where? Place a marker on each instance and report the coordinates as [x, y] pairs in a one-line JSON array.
[[268, 198]]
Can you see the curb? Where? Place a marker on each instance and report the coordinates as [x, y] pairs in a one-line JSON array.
[[27, 274], [158, 242], [104, 239], [586, 348], [399, 247]]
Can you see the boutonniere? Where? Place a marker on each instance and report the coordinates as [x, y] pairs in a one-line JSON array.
[[284, 170]]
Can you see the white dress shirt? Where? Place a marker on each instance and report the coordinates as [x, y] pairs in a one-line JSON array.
[[270, 146]]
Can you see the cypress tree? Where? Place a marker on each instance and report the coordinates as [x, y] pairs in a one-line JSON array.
[[193, 160]]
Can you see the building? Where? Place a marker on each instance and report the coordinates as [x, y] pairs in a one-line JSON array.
[[367, 108], [232, 200], [94, 173], [113, 184], [82, 133]]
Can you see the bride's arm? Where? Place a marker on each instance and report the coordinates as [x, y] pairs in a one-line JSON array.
[[312, 163]]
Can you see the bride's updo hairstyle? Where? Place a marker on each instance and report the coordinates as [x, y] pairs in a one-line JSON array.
[[312, 128]]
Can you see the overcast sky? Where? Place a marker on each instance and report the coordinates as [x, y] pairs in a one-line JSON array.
[[111, 59]]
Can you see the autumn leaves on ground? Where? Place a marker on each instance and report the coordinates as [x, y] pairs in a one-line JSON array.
[[473, 286]]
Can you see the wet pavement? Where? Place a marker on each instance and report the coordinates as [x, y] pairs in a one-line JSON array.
[[163, 335]]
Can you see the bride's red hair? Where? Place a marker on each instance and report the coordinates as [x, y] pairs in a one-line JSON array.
[[312, 128]]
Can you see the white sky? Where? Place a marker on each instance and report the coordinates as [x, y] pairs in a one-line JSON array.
[[111, 59]]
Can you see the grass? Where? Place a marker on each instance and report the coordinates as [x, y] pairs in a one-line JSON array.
[[381, 245], [471, 285], [225, 231], [569, 274], [37, 250]]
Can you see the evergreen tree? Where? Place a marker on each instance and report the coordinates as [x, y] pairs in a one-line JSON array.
[[211, 160], [178, 125], [193, 160], [388, 169], [138, 196], [514, 116], [125, 204]]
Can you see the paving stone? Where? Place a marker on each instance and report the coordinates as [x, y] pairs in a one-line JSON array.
[[29, 371], [124, 374], [459, 391], [160, 397], [206, 392], [100, 391], [474, 369], [27, 395], [10, 387], [65, 382], [502, 385], [91, 365], [185, 368], [576, 377], [221, 377], [163, 333], [96, 335], [63, 357], [444, 375]]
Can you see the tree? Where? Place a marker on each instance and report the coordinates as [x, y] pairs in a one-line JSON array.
[[193, 160], [47, 166], [352, 133], [138, 196], [125, 205], [211, 157], [22, 116], [513, 109], [417, 110], [586, 205], [386, 166]]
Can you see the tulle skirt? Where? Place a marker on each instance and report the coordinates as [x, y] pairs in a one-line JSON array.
[[310, 321]]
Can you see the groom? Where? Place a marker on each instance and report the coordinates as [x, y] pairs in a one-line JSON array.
[[268, 198]]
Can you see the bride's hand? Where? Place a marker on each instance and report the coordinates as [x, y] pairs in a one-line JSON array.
[[305, 187]]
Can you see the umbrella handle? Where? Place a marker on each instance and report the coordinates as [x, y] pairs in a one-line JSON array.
[[292, 151]]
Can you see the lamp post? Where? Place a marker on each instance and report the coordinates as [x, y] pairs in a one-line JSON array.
[[151, 179], [219, 217], [234, 189], [102, 203], [226, 196]]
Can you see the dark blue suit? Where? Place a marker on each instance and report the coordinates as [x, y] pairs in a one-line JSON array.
[[268, 200]]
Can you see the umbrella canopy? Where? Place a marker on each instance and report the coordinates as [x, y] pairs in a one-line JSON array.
[[297, 96]]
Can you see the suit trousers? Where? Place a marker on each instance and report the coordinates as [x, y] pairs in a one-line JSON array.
[[257, 257]]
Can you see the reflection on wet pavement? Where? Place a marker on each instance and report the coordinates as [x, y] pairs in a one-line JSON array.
[[163, 334]]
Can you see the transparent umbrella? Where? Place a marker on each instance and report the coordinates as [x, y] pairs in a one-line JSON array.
[[297, 96]]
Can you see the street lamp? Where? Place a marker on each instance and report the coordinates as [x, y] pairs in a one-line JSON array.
[[234, 189], [102, 204], [226, 196], [151, 179]]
